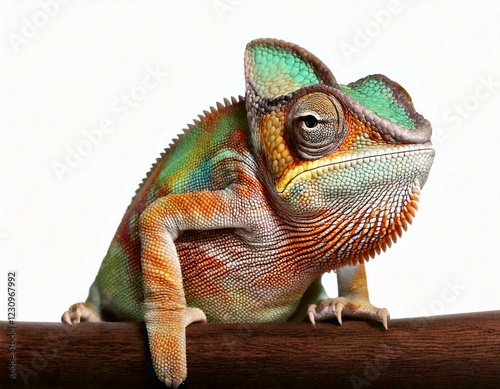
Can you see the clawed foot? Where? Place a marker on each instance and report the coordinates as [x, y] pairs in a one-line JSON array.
[[79, 312], [347, 307], [167, 342]]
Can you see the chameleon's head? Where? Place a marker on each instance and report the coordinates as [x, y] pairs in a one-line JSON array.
[[330, 147]]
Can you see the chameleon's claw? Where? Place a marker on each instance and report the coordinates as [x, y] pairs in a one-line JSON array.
[[347, 307], [338, 312], [384, 316], [310, 311]]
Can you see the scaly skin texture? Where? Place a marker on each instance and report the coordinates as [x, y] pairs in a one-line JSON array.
[[238, 220]]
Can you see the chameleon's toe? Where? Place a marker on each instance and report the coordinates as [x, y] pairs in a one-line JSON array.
[[347, 307], [78, 313]]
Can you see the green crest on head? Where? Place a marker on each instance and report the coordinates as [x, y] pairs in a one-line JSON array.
[[274, 68], [384, 97]]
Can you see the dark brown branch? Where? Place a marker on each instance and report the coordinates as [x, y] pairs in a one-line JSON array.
[[456, 350]]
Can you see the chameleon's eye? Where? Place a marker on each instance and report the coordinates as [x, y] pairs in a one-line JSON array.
[[316, 125], [310, 121]]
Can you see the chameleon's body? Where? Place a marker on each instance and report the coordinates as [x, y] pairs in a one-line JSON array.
[[240, 218]]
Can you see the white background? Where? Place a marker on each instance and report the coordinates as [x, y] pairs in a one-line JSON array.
[[65, 66]]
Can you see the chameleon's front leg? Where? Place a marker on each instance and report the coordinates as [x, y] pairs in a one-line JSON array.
[[353, 300], [166, 314]]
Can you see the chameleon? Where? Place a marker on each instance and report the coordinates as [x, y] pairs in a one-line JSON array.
[[241, 216]]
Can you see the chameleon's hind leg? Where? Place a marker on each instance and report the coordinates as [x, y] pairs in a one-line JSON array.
[[80, 312]]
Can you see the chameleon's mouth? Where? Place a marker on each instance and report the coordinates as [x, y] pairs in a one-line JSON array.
[[318, 168]]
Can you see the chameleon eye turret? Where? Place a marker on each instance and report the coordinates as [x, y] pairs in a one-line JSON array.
[[316, 124]]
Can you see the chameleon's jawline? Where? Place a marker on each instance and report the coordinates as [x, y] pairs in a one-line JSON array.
[[429, 149]]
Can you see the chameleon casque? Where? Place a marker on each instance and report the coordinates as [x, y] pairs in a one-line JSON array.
[[238, 220]]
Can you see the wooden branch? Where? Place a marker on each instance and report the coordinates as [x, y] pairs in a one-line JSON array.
[[455, 350]]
